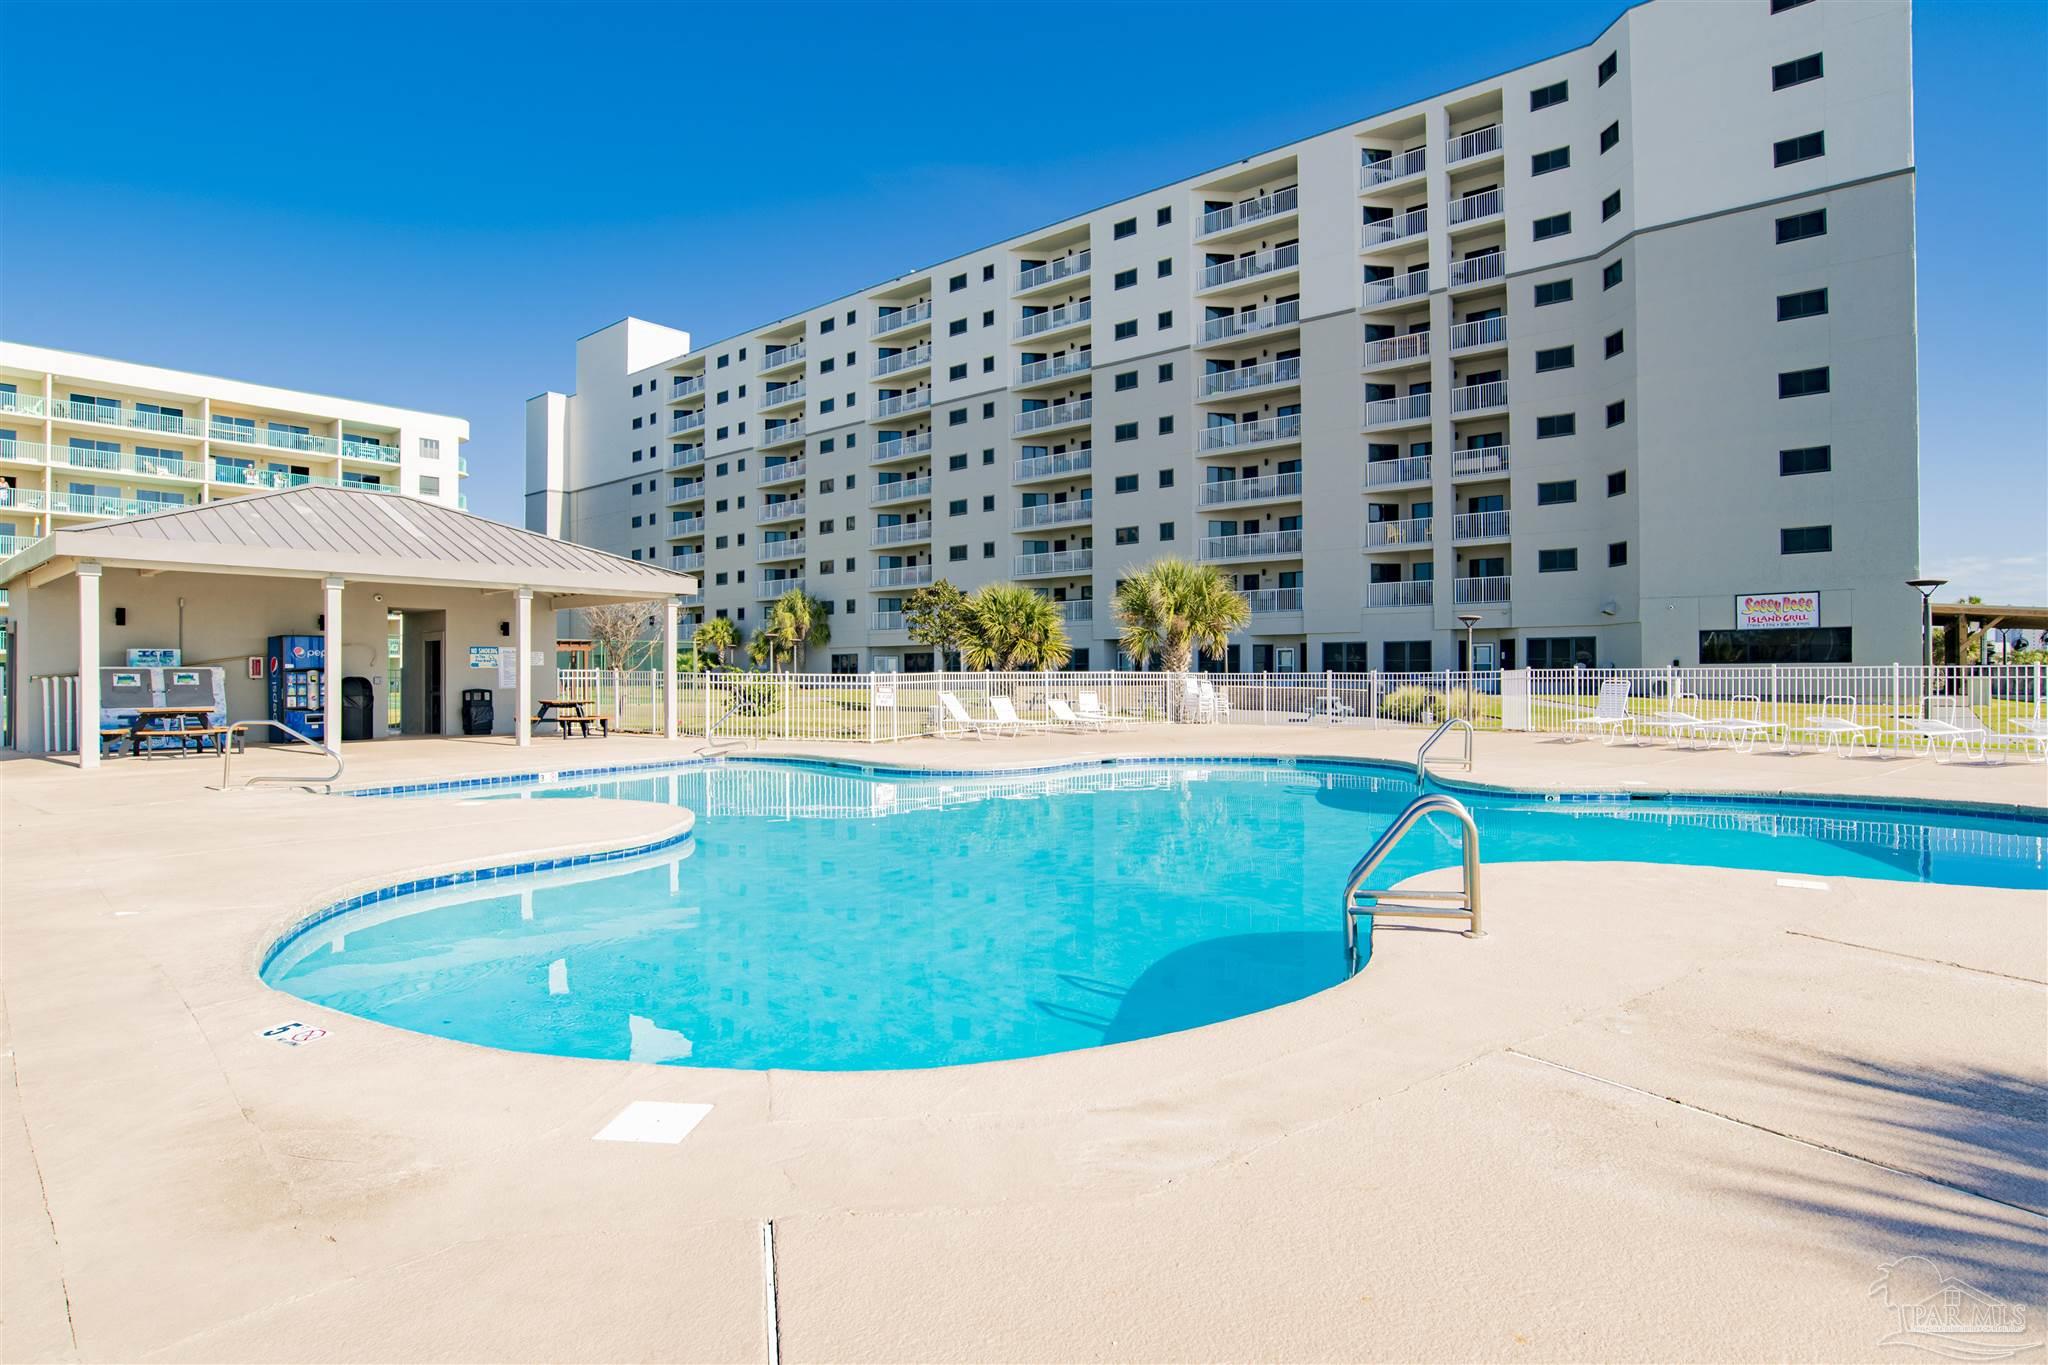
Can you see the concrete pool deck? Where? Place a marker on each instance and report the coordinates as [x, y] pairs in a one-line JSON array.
[[1657, 1113]]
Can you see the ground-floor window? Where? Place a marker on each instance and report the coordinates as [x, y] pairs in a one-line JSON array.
[[846, 663], [1560, 651], [918, 662], [1808, 645], [1077, 661], [1405, 656], [1347, 656]]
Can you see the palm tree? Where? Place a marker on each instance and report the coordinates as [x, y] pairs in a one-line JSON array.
[[798, 621], [761, 649], [1008, 627], [1172, 607], [716, 637]]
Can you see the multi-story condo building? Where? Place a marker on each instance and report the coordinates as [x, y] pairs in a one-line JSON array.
[[84, 438], [1614, 353]]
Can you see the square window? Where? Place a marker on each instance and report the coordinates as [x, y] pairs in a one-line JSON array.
[[988, 410], [988, 502], [1165, 267], [1166, 373], [1610, 274], [988, 456], [1610, 206], [1166, 478], [1166, 425], [1803, 383], [957, 372], [1806, 540], [1126, 431], [988, 549], [956, 553], [1127, 380], [1615, 344], [1166, 530], [1557, 424], [988, 272], [1610, 137], [1799, 226], [957, 507], [1805, 147], [1163, 217], [956, 284], [1609, 64], [1553, 291], [1808, 303], [988, 317], [957, 327], [1165, 321], [1617, 413], [1125, 279], [1548, 95], [1555, 358], [1124, 331], [1796, 72], [1556, 225], [1557, 561], [1127, 535], [1617, 553], [1127, 483], [957, 418], [1805, 460], [1124, 227], [1558, 491], [1617, 483], [988, 364], [1556, 159], [956, 462]]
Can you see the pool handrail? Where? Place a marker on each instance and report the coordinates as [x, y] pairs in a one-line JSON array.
[[1422, 754], [1465, 898], [239, 730]]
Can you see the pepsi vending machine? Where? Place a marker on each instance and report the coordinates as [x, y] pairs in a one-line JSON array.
[[298, 672]]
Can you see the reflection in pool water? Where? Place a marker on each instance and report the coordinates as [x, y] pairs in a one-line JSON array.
[[826, 919]]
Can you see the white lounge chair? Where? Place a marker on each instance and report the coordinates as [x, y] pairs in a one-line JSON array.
[[2032, 737], [1610, 713], [1948, 723], [1740, 731], [1090, 708], [1675, 722], [952, 713], [1212, 703], [1007, 717], [1830, 730], [1067, 718]]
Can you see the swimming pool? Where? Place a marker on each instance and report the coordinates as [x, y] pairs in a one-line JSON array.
[[828, 918]]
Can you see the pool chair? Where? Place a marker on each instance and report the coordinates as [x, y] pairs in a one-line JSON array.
[[1067, 718], [1834, 726], [1739, 732], [1089, 707], [1948, 725], [2031, 737], [1008, 719], [954, 720], [1610, 713], [1675, 722]]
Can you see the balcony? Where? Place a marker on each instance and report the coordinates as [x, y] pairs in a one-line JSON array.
[[1477, 270], [1245, 379], [917, 445], [296, 441], [1485, 334], [1054, 320], [1410, 348], [1383, 293], [12, 544], [685, 388], [782, 433], [126, 462], [1415, 592], [1239, 492], [1273, 601], [22, 499], [688, 561], [1073, 512], [687, 526], [1413, 533], [1078, 611], [1248, 215], [1064, 464], [1487, 462], [24, 452], [1474, 399], [1031, 279], [1053, 564], [97, 505], [776, 551], [27, 404], [886, 623], [785, 471], [1402, 227], [1480, 592], [902, 319], [782, 357], [1387, 170], [1473, 145], [900, 490], [901, 576], [1278, 317], [1256, 268], [782, 509], [779, 396], [1394, 473], [1471, 526], [683, 423], [689, 492], [1054, 415], [906, 361], [1053, 369], [235, 476], [896, 405], [1473, 209], [771, 588], [1256, 545], [1272, 431], [689, 457], [903, 533], [1410, 409], [101, 414]]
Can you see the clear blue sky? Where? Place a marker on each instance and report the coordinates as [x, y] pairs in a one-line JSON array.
[[426, 205]]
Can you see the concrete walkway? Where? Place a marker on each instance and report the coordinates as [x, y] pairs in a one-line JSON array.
[[1657, 1113]]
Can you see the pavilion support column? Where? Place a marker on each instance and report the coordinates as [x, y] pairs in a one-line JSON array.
[[669, 642], [330, 684], [523, 634], [88, 666]]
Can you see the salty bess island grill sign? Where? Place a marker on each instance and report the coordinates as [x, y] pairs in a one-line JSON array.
[[1777, 610]]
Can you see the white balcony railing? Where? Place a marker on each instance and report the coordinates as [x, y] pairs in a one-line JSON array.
[[771, 551], [1250, 211], [901, 576], [907, 447], [689, 492], [1265, 601], [1398, 228], [887, 322], [780, 395], [1052, 272], [1406, 349], [895, 405], [1257, 265], [900, 490], [783, 433], [1492, 265], [1240, 435], [1054, 415], [1414, 592], [1478, 142], [1252, 321], [1077, 610], [1072, 512], [1399, 535], [688, 561], [691, 386], [1479, 397], [911, 358], [1255, 545], [1399, 166], [1481, 332], [1406, 469], [772, 588], [881, 621], [1481, 592], [1053, 466], [902, 533], [1054, 319], [781, 509], [1250, 378], [27, 404], [1479, 463], [686, 526], [685, 422], [689, 457], [1479, 526], [782, 471], [1411, 284], [775, 357], [1064, 563], [1392, 412], [1055, 367], [1265, 487], [1473, 208]]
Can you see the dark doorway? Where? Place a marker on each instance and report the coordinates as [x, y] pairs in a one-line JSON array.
[[432, 662]]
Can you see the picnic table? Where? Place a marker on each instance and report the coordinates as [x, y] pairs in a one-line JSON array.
[[568, 711], [186, 724]]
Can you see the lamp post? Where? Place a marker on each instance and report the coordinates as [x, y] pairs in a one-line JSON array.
[[1926, 587], [1470, 619]]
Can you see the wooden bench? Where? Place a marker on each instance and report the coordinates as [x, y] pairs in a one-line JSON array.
[[562, 720]]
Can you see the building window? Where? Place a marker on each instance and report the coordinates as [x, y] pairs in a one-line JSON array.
[[1556, 159], [1805, 460], [988, 502], [1555, 358], [1610, 275], [956, 462], [1610, 137], [1163, 217], [1797, 72], [1127, 535], [1609, 64], [1166, 530], [1126, 431], [1803, 383], [957, 507], [1617, 412], [957, 418], [1124, 227], [1805, 147], [1557, 492], [1166, 373], [430, 449], [1165, 267], [1124, 331], [988, 364], [1800, 226], [1808, 303], [1125, 279], [1405, 656], [957, 372], [1816, 645], [430, 486], [1127, 483], [957, 327], [988, 317], [1127, 380], [1553, 291], [1556, 225], [1806, 540], [1617, 554], [1617, 483], [988, 549], [1610, 206], [1558, 424], [956, 553], [956, 284], [1615, 344], [1166, 425], [1548, 95], [1780, 6], [1165, 321], [1166, 478], [1557, 561]]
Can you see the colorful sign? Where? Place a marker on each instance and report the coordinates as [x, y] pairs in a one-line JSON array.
[[1777, 611], [483, 656], [155, 658]]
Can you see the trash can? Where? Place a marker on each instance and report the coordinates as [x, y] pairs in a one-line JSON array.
[[356, 701], [477, 714]]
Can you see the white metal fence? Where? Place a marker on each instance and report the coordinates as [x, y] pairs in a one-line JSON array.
[[878, 707]]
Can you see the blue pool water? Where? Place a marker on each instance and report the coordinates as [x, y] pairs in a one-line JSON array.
[[825, 919]]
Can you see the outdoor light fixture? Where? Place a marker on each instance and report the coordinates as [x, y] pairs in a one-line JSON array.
[[1926, 587], [1469, 619]]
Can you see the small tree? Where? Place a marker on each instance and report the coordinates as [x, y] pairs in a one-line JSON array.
[[616, 626], [1173, 608], [1009, 627], [717, 637], [797, 621], [937, 616]]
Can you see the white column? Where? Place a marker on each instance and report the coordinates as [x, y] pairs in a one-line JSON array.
[[330, 686], [522, 630], [88, 665], [670, 643]]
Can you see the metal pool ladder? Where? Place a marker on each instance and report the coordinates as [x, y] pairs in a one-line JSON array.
[[239, 730], [1464, 901], [1422, 754]]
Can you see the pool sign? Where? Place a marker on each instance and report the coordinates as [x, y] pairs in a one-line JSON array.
[[483, 656], [293, 1033], [1777, 610]]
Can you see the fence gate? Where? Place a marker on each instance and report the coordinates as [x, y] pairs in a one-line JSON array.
[[1515, 710]]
